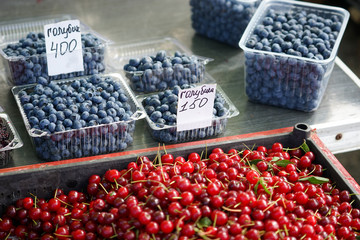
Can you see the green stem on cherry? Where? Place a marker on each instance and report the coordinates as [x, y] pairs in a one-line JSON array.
[[102, 186], [7, 236], [232, 209], [67, 204], [286, 230]]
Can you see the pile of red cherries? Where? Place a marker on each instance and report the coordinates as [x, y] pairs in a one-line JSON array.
[[275, 193]]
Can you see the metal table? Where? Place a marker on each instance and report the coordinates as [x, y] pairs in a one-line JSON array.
[[337, 121]]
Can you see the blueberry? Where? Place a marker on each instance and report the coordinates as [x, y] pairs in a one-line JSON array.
[[155, 116], [76, 124], [40, 114], [44, 123], [160, 56], [33, 121], [134, 62], [276, 48], [176, 60], [52, 118], [251, 43], [102, 114]]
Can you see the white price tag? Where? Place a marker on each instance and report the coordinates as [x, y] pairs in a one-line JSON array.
[[195, 107], [63, 47]]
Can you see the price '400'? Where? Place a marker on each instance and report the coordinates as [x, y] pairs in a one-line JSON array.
[[63, 47], [197, 103]]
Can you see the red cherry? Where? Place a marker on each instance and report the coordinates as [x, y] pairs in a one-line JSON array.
[[138, 175], [220, 217], [152, 227], [112, 175], [167, 159], [79, 234], [94, 179], [252, 176], [213, 189], [27, 203], [188, 230], [186, 198], [166, 226], [144, 217], [6, 224], [62, 233], [34, 213], [217, 150], [123, 192], [194, 157], [132, 166], [304, 162], [277, 147], [187, 167]]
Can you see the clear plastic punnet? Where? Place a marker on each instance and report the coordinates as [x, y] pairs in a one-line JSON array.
[[290, 48], [23, 51], [166, 132], [97, 121], [222, 20], [10, 139], [158, 64]]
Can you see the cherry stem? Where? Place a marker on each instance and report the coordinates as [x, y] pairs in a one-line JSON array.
[[164, 148], [55, 193], [286, 230], [7, 236], [215, 218], [126, 172], [64, 202], [272, 204], [102, 186], [151, 181], [117, 185], [202, 234], [61, 235], [232, 209]]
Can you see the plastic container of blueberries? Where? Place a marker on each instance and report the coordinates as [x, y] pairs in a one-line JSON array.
[[86, 141], [141, 84], [14, 66], [169, 134], [14, 140], [284, 80], [224, 21]]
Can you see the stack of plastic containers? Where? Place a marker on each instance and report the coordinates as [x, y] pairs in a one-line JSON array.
[[69, 115], [157, 70]]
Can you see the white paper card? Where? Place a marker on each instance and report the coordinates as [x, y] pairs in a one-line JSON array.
[[63, 47], [195, 107]]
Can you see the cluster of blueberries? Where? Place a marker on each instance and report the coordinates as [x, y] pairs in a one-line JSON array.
[[5, 139], [76, 118], [287, 80], [28, 62], [4, 134], [222, 20], [162, 111], [161, 72]]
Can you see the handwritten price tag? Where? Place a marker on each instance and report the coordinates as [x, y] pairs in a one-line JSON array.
[[195, 107], [63, 47]]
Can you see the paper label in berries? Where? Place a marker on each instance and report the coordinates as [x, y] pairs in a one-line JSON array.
[[63, 47], [195, 107]]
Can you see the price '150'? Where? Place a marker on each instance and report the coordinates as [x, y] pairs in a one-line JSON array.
[[197, 103], [63, 47]]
